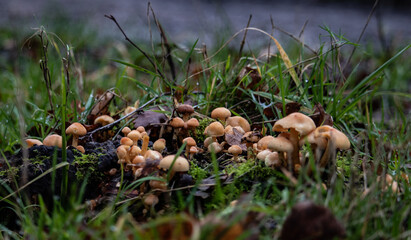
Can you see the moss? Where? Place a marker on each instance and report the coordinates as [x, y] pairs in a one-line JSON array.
[[197, 172], [87, 166], [199, 132], [9, 175]]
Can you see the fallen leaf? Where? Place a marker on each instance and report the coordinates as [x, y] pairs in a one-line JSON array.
[[234, 138], [101, 106], [320, 117], [149, 118]]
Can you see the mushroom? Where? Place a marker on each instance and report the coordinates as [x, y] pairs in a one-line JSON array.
[[76, 129], [186, 110], [324, 141], [282, 145], [261, 155], [298, 125], [208, 141], [141, 129], [215, 130], [126, 141], [157, 185], [177, 122], [103, 120], [81, 148], [153, 155], [31, 142], [192, 123], [180, 164], [190, 142], [122, 155], [263, 142], [221, 113], [144, 146], [126, 131], [215, 147], [134, 135], [159, 145], [134, 151], [230, 130], [235, 150], [193, 150], [53, 140], [150, 201], [250, 138], [273, 160], [238, 121]]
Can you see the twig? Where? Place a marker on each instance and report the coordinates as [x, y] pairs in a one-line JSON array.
[[269, 42], [111, 17], [44, 67], [245, 35], [138, 111], [167, 45], [296, 39]]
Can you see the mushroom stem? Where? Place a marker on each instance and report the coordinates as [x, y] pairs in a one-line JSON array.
[[295, 156], [188, 151], [144, 146], [75, 141], [329, 150]]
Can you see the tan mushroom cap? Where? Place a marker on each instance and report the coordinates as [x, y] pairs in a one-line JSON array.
[[122, 152], [192, 123], [263, 154], [177, 122], [263, 142], [76, 129], [235, 150], [31, 142], [238, 121], [81, 148], [180, 165], [134, 135], [190, 141], [208, 141], [126, 141], [141, 129], [272, 160], [53, 140], [221, 113], [215, 129], [134, 151], [230, 130], [103, 120], [159, 145], [320, 142], [126, 131], [153, 155], [215, 146], [129, 110], [280, 144], [341, 141], [298, 121]]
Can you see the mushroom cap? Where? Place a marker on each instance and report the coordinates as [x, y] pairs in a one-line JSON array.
[[159, 145], [126, 131], [134, 135], [129, 109], [238, 121], [235, 150], [134, 151], [141, 129], [185, 109], [319, 142], [208, 141], [150, 200], [194, 150], [126, 141], [139, 160], [76, 129], [341, 141], [31, 142], [192, 123], [103, 120], [263, 142], [177, 122], [298, 121], [122, 152], [153, 155], [215, 146], [53, 140], [190, 141], [263, 154], [272, 159], [215, 129], [81, 148], [221, 113], [180, 165], [230, 130], [280, 144], [251, 136]]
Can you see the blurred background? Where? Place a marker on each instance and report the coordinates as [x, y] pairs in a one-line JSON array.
[[214, 20]]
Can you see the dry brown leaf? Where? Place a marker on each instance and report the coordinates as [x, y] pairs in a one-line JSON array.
[[320, 117]]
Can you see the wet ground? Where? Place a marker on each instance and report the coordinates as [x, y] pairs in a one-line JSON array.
[[189, 20]]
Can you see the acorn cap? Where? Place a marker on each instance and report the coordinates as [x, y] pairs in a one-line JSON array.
[[180, 165], [103, 120], [298, 121], [238, 121], [31, 142], [53, 140], [221, 113], [235, 150], [215, 129], [76, 129]]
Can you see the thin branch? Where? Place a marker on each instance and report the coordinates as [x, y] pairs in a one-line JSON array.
[[111, 17], [245, 35], [296, 39]]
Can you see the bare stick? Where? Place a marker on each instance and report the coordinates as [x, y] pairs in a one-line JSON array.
[[296, 39], [134, 45], [245, 35], [44, 67]]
